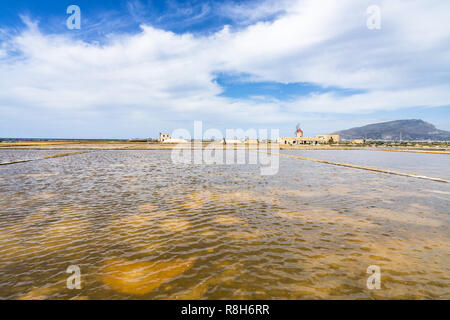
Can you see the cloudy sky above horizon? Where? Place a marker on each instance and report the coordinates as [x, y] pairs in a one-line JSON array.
[[139, 67]]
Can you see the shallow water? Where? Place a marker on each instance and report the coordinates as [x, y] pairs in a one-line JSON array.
[[141, 227], [14, 155], [433, 165]]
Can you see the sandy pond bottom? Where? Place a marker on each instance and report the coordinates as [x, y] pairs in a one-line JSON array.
[[141, 227]]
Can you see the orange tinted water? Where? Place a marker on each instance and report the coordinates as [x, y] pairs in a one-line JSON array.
[[139, 226]]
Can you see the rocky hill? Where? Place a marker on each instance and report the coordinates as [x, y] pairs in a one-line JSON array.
[[406, 130]]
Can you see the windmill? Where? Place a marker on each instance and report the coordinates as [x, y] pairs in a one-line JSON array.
[[298, 131]]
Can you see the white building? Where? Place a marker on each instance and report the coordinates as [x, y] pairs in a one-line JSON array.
[[163, 137], [173, 140], [231, 141]]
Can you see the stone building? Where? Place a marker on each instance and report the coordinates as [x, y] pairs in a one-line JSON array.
[[163, 137], [333, 138], [301, 140], [298, 140]]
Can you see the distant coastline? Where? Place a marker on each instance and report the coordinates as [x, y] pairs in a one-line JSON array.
[[117, 144]]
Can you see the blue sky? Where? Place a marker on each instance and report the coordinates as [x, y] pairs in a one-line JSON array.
[[136, 68], [121, 15]]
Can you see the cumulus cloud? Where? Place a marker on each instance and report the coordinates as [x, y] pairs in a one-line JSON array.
[[156, 74]]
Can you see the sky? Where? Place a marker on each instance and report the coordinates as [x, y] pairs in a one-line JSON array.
[[139, 67]]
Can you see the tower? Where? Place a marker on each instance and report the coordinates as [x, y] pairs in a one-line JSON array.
[[298, 131]]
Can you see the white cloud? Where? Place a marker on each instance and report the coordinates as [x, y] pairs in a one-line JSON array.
[[435, 96], [250, 12], [159, 74]]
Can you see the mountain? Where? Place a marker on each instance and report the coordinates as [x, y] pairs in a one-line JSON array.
[[412, 130]]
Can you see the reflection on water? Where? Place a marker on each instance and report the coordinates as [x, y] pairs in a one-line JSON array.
[[140, 227], [139, 278]]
